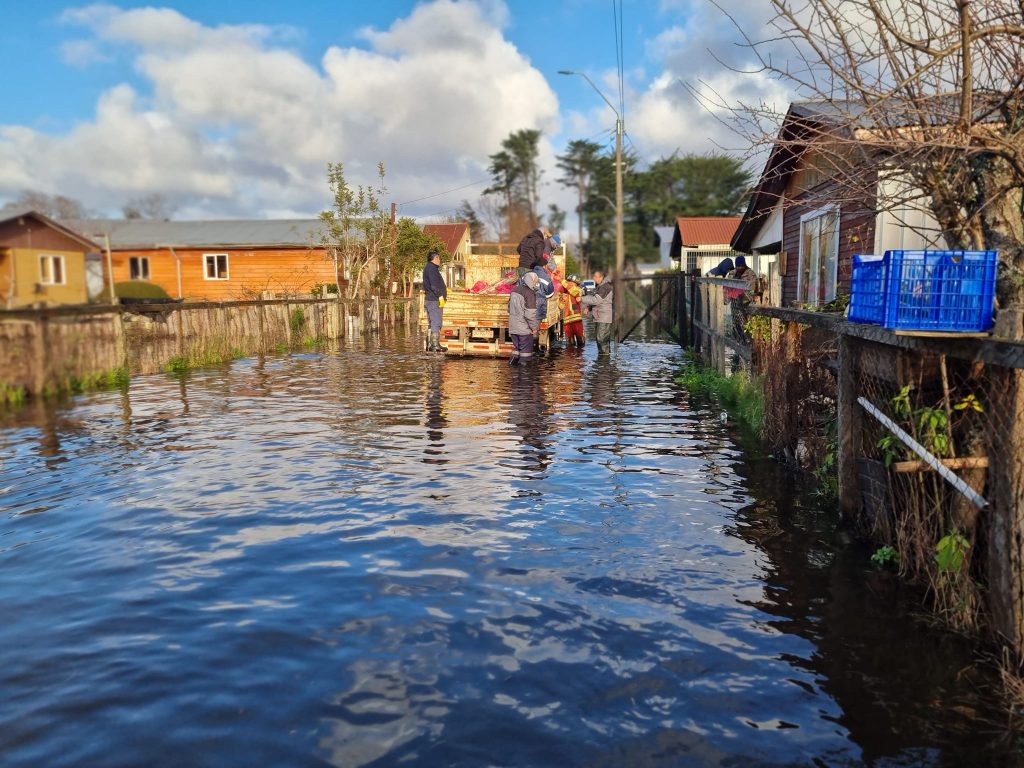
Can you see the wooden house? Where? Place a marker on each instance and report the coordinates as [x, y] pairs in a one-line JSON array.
[[219, 260], [456, 239], [42, 262], [815, 223]]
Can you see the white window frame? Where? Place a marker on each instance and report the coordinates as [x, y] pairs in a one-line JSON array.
[[802, 257], [143, 270], [215, 256], [46, 273]]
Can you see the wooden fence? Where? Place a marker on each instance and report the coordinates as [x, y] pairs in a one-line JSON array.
[[862, 397], [52, 349]]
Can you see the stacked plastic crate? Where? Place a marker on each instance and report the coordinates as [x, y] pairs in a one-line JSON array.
[[936, 291]]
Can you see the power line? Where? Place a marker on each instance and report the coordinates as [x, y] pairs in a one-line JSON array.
[[446, 192]]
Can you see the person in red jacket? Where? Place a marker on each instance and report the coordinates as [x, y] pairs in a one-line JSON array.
[[572, 314]]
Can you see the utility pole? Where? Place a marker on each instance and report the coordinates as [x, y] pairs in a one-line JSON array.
[[620, 239]]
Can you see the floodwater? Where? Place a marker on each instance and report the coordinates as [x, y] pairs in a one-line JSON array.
[[374, 556]]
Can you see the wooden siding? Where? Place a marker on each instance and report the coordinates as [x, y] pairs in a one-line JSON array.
[[856, 234], [32, 233], [251, 271], [28, 286]]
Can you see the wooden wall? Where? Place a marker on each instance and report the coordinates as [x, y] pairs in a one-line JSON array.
[[856, 233], [251, 271]]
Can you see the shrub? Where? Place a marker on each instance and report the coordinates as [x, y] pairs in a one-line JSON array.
[[139, 289]]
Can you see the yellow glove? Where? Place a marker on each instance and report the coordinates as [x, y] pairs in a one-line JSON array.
[[440, 301]]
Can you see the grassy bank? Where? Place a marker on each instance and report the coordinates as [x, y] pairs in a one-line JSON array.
[[740, 395]]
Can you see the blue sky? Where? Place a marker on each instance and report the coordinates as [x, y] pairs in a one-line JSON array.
[[233, 109]]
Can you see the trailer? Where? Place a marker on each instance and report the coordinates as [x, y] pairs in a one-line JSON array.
[[477, 324]]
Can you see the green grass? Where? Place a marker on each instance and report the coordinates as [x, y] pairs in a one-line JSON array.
[[11, 395], [740, 395], [298, 320], [216, 354]]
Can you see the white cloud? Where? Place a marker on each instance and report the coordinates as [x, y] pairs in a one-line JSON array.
[[232, 122], [704, 52]]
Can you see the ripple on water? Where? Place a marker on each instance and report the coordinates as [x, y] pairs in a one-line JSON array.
[[372, 556]]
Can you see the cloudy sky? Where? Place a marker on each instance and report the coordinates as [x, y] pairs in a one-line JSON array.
[[233, 109]]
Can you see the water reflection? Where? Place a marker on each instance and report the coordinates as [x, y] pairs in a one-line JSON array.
[[370, 557]]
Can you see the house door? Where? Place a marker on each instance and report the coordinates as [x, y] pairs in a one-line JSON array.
[[819, 256]]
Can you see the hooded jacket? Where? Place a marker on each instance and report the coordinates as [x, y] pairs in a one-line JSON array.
[[531, 249], [600, 302], [545, 288], [522, 310]]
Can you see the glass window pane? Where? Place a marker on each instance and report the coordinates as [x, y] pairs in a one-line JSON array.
[[211, 269], [58, 270], [44, 269], [145, 268], [222, 267]]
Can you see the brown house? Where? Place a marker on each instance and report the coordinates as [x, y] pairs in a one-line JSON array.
[[42, 262], [456, 241], [813, 222], [219, 260]]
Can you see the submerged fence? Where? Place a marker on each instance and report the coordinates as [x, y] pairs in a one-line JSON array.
[[54, 349], [926, 436]]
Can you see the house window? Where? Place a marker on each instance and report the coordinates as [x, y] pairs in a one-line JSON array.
[[138, 267], [819, 256], [51, 269], [215, 266]]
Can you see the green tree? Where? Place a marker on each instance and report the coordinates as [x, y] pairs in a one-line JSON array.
[[515, 176], [477, 228], [578, 165], [357, 232], [412, 245]]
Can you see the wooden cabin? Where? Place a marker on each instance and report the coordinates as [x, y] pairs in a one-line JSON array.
[[220, 260], [814, 224], [42, 262]]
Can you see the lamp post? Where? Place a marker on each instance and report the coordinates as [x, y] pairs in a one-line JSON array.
[[620, 243]]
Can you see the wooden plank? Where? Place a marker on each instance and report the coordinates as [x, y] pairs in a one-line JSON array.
[[967, 462], [943, 334], [734, 345], [849, 430]]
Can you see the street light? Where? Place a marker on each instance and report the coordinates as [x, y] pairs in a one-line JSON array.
[[620, 243]]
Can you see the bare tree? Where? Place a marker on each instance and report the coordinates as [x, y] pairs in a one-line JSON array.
[[152, 206], [926, 92], [56, 207]]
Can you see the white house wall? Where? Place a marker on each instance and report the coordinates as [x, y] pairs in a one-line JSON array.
[[904, 226]]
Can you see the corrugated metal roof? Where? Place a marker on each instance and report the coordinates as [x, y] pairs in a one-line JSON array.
[[147, 233], [707, 230], [450, 234]]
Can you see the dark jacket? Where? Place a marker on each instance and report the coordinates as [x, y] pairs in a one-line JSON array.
[[522, 311], [531, 249], [433, 283], [724, 267]]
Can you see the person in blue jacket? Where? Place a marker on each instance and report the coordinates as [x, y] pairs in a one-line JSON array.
[[545, 289], [435, 294]]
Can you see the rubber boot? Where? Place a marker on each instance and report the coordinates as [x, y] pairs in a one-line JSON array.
[[514, 360], [437, 343]]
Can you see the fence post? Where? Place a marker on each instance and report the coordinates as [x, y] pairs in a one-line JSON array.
[[849, 429], [681, 308], [694, 333]]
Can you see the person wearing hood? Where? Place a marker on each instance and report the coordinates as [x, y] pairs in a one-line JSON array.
[[725, 266], [545, 289], [531, 249], [523, 321], [435, 294], [739, 298]]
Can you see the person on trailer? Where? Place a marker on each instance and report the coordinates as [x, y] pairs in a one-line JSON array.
[[572, 312], [531, 250], [523, 322], [435, 294], [600, 304]]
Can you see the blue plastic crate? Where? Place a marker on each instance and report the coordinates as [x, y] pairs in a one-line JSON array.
[[940, 290], [867, 289]]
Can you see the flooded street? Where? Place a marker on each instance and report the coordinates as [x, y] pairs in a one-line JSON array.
[[372, 556]]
